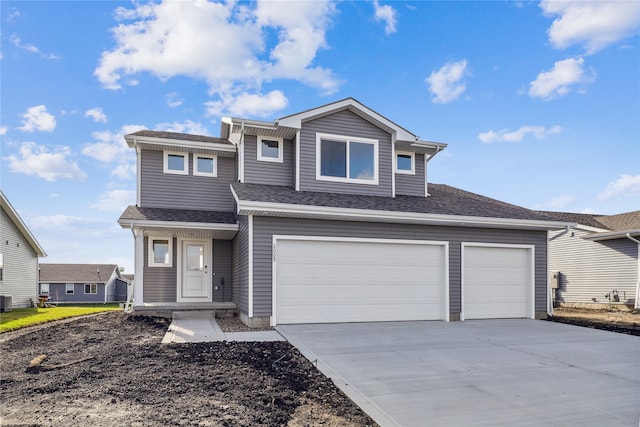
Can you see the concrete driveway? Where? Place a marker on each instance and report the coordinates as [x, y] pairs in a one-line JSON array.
[[479, 372]]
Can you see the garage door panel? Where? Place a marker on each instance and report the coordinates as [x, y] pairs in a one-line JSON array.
[[341, 281], [497, 282]]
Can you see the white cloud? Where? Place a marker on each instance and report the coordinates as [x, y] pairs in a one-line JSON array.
[[187, 126], [97, 115], [446, 84], [60, 221], [36, 160], [592, 24], [589, 211], [37, 119], [115, 200], [3, 130], [248, 104], [626, 185], [386, 14], [560, 79], [229, 45], [561, 202], [15, 40], [112, 150], [174, 100], [505, 135]]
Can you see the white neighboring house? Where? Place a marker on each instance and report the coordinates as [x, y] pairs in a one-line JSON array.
[[19, 253], [597, 260]]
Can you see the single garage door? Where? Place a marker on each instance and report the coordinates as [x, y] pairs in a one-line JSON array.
[[497, 281], [329, 281]]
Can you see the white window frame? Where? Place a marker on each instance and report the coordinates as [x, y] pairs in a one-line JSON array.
[[347, 140], [412, 171], [262, 158], [44, 288], [205, 156], [68, 286], [184, 171], [91, 285], [151, 258]]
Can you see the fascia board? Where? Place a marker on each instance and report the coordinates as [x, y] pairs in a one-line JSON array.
[[611, 235], [128, 223], [249, 207], [15, 218], [131, 140]]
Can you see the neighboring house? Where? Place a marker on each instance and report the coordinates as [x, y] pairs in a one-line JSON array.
[[325, 216], [597, 260], [19, 253], [82, 283]]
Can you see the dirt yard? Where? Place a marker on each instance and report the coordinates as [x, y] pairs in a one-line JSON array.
[[626, 322], [111, 370]]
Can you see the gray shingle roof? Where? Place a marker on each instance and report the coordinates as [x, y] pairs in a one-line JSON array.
[[136, 213], [619, 222], [76, 273], [589, 220], [181, 136], [444, 200]]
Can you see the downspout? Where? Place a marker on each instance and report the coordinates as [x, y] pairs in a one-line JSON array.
[[551, 293], [241, 155], [633, 239]]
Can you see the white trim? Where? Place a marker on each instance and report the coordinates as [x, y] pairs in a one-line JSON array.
[[393, 175], [412, 171], [127, 223], [293, 210], [41, 291], [262, 158], [250, 272], [426, 177], [241, 158], [212, 157], [165, 156], [139, 260], [150, 259], [297, 161], [66, 288], [208, 259], [532, 258], [347, 140], [276, 237], [172, 143], [138, 172]]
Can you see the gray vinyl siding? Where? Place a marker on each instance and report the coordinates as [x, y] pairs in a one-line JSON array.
[[58, 293], [266, 227], [591, 269], [344, 123], [222, 268], [20, 271], [270, 173], [160, 283], [240, 265], [162, 190], [412, 185]]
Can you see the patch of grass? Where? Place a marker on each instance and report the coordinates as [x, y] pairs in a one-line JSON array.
[[23, 317]]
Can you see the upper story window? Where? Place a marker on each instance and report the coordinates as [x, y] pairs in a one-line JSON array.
[[160, 252], [346, 159], [176, 163], [205, 165], [270, 149], [405, 163]]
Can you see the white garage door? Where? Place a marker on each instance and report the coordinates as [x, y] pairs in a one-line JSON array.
[[327, 281], [497, 282]]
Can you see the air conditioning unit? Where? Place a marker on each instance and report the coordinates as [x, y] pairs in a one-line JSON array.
[[5, 303]]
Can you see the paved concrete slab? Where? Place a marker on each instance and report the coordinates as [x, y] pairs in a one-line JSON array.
[[201, 326], [479, 373]]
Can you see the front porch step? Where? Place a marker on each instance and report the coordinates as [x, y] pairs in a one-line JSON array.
[[185, 306]]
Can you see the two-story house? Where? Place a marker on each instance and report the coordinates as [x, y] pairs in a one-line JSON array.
[[325, 216]]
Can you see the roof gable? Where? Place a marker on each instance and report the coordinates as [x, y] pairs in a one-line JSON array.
[[15, 218]]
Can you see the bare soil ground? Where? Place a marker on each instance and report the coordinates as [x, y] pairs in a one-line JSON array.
[[626, 322], [111, 370]]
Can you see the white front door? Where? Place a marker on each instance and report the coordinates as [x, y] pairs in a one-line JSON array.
[[194, 283]]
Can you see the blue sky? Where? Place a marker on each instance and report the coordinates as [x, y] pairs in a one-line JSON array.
[[538, 101]]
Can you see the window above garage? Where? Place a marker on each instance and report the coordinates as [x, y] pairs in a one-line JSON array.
[[346, 159]]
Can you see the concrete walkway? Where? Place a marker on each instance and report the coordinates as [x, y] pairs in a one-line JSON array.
[[201, 326], [479, 373]]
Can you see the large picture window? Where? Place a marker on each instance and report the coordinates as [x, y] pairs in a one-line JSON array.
[[344, 159], [176, 163], [160, 252]]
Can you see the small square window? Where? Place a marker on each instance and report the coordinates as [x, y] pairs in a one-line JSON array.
[[44, 288], [405, 163], [176, 163], [270, 149], [160, 252], [90, 288], [205, 165], [69, 288]]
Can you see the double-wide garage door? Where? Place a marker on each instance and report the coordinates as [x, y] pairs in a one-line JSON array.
[[359, 280]]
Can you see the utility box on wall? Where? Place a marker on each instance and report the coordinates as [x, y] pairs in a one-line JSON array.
[[555, 280]]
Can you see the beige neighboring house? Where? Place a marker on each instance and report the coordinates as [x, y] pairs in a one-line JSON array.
[[19, 253]]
